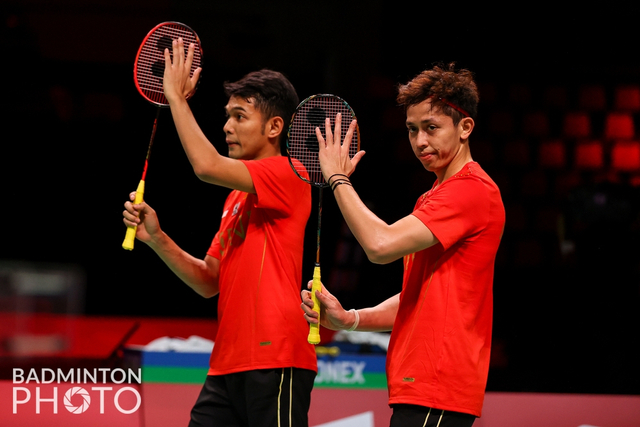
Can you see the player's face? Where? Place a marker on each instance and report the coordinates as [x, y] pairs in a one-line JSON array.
[[245, 130], [434, 138]]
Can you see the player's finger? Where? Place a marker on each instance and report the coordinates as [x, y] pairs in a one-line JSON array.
[[306, 298], [196, 76], [356, 159], [338, 129], [324, 297], [129, 218], [129, 206], [178, 51], [311, 318], [189, 59], [349, 136], [321, 140], [327, 127], [167, 59], [308, 310]]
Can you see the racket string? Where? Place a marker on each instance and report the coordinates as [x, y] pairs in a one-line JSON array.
[[303, 143]]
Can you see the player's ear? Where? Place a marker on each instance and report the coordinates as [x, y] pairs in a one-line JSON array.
[[275, 126], [466, 126]]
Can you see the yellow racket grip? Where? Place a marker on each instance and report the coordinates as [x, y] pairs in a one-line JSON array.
[[314, 328], [130, 236]]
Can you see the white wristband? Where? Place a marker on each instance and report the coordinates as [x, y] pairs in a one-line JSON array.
[[355, 324]]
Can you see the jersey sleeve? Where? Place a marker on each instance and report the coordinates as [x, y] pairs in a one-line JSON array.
[[457, 209], [277, 186]]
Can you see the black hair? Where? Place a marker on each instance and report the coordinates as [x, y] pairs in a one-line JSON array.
[[271, 93]]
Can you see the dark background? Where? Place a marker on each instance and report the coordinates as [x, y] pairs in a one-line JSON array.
[[75, 133]]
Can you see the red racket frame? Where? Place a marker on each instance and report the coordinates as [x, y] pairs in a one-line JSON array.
[[148, 68]]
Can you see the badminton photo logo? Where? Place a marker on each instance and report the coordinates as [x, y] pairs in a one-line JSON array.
[[45, 390], [82, 393]]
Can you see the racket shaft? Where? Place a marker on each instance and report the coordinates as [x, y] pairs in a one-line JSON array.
[[314, 328], [130, 235]]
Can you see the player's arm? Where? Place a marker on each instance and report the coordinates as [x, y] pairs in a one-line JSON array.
[[383, 243], [208, 164], [201, 275], [333, 316], [379, 318]]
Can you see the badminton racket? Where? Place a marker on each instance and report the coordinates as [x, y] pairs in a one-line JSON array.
[[148, 73], [302, 150]]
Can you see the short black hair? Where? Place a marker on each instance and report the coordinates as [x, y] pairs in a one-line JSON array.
[[272, 93]]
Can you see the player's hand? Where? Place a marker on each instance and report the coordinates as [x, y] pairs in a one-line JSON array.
[[177, 81], [332, 315], [143, 217], [334, 155]]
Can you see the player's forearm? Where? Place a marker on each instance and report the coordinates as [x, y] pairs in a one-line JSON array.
[[208, 164], [370, 231], [192, 271], [202, 155], [379, 318]]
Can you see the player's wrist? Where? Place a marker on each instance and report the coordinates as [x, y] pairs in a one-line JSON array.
[[337, 179], [356, 320], [157, 240], [175, 98]]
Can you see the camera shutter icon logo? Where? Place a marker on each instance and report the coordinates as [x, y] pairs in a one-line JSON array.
[[86, 400]]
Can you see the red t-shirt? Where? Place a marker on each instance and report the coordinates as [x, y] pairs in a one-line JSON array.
[[259, 245], [441, 340]]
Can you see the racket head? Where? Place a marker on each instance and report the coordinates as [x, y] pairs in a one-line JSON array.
[[302, 142], [148, 69]]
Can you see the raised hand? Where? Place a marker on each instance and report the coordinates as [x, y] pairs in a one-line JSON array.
[[334, 156], [178, 82]]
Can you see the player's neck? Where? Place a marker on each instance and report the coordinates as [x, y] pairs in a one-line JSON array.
[[459, 161], [270, 150]]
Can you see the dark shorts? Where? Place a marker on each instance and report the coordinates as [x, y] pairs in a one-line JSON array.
[[260, 398], [422, 416]]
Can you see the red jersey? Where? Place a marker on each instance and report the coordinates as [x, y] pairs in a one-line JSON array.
[[259, 245], [441, 340]]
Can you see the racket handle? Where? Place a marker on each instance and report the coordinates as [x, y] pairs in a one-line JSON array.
[[314, 328], [130, 236]]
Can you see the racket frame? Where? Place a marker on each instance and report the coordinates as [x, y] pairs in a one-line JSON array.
[[151, 90]]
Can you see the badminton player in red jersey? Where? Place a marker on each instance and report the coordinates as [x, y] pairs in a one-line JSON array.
[[441, 321], [262, 368]]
